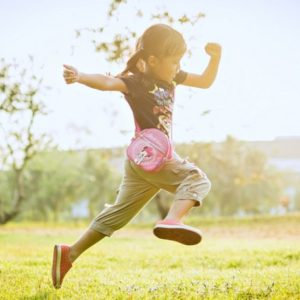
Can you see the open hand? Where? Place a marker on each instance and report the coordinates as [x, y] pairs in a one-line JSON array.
[[71, 74], [213, 49]]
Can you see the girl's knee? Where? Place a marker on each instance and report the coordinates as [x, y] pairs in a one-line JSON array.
[[207, 185], [203, 184]]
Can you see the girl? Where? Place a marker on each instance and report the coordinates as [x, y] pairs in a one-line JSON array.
[[148, 83]]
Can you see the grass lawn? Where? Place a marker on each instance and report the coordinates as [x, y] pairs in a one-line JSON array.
[[238, 259]]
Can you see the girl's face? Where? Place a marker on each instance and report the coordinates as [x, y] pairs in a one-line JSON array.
[[164, 68]]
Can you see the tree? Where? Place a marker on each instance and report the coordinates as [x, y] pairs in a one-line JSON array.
[[101, 182], [118, 45], [242, 180], [54, 180], [19, 110], [57, 181]]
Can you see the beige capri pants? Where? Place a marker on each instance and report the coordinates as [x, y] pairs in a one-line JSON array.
[[138, 187]]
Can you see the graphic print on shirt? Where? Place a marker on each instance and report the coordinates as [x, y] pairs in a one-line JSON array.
[[163, 109]]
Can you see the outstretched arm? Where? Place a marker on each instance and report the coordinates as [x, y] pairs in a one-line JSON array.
[[206, 79], [95, 81]]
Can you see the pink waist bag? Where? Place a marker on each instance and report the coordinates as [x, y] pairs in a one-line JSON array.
[[150, 149]]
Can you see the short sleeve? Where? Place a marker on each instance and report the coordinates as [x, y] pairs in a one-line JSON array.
[[131, 83], [180, 77]]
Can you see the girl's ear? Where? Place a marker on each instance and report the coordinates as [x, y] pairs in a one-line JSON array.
[[152, 61]]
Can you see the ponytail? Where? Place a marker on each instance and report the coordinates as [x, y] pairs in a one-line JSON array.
[[132, 62]]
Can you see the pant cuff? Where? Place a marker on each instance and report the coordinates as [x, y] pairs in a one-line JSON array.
[[198, 202], [102, 229]]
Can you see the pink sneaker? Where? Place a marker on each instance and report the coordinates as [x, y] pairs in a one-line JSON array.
[[177, 231], [61, 264]]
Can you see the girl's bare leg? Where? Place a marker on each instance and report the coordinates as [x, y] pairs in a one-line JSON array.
[[88, 239], [179, 209]]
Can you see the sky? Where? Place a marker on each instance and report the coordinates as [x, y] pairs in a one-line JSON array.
[[255, 96]]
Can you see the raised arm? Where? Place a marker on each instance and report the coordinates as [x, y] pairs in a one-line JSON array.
[[206, 79], [95, 81]]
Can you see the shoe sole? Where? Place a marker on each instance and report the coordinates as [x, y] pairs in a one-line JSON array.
[[56, 266], [184, 235]]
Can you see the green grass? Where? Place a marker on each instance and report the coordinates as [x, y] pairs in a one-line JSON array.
[[252, 259]]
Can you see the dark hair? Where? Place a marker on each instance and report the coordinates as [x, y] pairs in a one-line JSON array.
[[159, 40]]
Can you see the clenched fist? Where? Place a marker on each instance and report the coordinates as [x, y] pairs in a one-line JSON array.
[[71, 75], [213, 49]]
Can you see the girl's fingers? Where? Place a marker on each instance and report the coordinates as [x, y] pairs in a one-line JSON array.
[[70, 81], [69, 71], [68, 67], [69, 74], [69, 77]]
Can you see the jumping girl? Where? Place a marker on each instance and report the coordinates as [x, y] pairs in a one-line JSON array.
[[148, 84]]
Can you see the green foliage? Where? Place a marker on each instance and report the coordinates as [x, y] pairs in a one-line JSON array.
[[56, 181], [120, 45], [241, 179], [36, 184], [19, 110], [101, 182], [53, 182], [7, 188]]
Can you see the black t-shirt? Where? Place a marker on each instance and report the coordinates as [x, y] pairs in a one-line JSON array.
[[152, 100]]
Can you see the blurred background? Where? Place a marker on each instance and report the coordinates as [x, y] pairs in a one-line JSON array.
[[62, 146]]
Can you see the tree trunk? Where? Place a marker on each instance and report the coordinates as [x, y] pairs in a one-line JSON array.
[[8, 216]]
